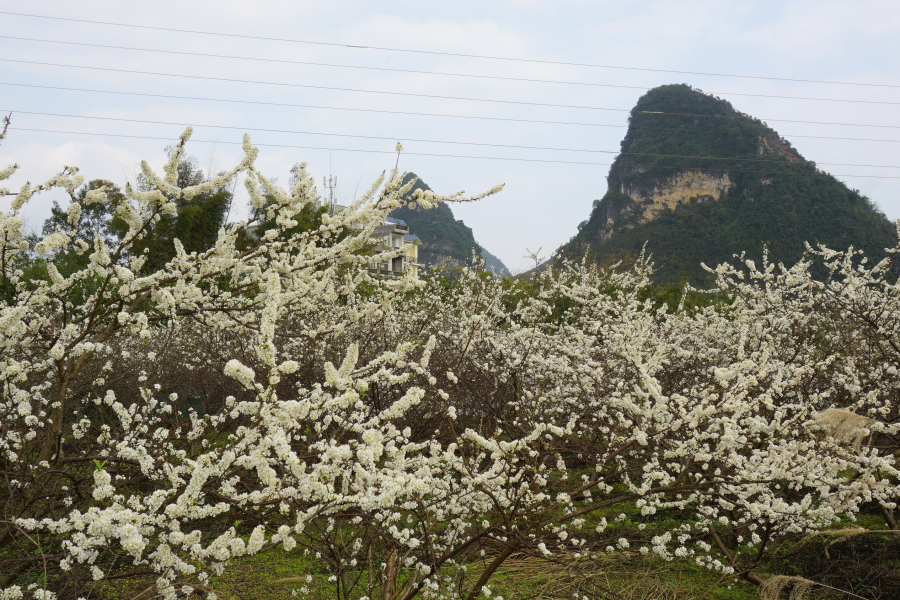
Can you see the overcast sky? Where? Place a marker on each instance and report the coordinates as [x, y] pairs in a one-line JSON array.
[[542, 203]]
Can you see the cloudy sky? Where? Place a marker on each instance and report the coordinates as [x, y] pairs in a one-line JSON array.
[[341, 107]]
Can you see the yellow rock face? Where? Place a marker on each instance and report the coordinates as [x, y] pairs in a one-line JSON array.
[[682, 187]]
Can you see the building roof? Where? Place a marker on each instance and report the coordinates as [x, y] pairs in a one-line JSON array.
[[397, 221], [411, 238]]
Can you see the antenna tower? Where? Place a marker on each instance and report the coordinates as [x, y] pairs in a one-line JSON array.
[[330, 183]]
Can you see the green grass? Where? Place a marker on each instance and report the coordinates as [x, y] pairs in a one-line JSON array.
[[256, 577], [248, 578], [617, 577]]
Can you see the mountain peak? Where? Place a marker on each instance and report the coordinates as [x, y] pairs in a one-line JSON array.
[[699, 181]]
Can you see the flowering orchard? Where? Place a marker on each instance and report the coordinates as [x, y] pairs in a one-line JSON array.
[[396, 431]]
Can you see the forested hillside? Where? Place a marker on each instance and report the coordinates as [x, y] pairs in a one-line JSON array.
[[698, 181], [443, 236]]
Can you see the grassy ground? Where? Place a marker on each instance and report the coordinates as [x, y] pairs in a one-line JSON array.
[[867, 564], [522, 578]]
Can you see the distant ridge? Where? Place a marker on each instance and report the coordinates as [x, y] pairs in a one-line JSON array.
[[693, 210], [444, 238]]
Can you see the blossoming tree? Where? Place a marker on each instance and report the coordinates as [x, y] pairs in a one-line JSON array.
[[396, 431]]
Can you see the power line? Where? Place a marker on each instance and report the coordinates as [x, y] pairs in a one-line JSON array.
[[428, 141], [437, 53], [321, 87], [316, 64], [421, 114], [504, 158], [440, 73], [316, 106], [311, 86]]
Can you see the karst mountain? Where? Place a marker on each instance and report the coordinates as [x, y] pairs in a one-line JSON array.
[[443, 237], [697, 182]]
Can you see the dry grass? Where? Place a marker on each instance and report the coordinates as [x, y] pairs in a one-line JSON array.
[[844, 426], [799, 588], [615, 577]]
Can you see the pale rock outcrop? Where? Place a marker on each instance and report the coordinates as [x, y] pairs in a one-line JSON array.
[[680, 188]]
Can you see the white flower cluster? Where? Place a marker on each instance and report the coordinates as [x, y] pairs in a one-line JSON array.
[[464, 414]]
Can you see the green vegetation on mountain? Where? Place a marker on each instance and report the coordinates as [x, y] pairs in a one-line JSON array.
[[698, 182], [443, 237]]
